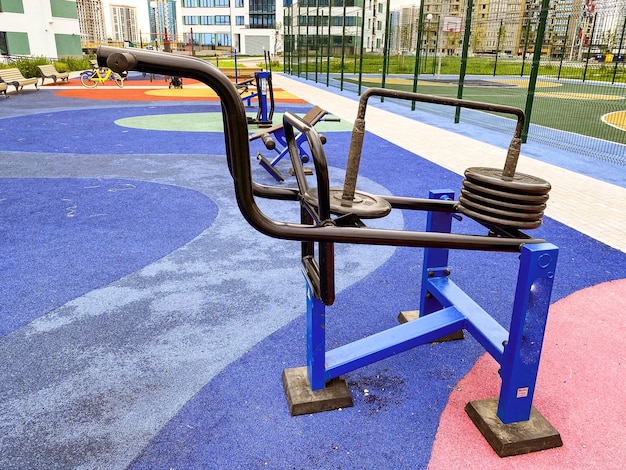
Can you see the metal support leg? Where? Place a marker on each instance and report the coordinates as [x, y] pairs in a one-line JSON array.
[[436, 262], [306, 388], [435, 259], [520, 361], [315, 339], [511, 424]]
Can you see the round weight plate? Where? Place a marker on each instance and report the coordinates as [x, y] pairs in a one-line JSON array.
[[519, 183], [364, 205], [490, 211], [498, 204], [501, 222], [500, 195]]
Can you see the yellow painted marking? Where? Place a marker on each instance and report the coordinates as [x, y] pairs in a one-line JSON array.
[[523, 82], [579, 96], [616, 119]]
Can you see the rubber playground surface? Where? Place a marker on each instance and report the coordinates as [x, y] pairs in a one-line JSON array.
[[145, 324]]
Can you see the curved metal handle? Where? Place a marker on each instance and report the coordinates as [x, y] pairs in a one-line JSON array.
[[239, 162], [513, 152], [314, 140]]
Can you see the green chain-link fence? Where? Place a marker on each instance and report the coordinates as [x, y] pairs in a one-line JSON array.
[[563, 63]]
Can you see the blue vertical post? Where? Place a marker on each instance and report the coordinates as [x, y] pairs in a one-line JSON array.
[[520, 361], [261, 80], [435, 259], [315, 339]]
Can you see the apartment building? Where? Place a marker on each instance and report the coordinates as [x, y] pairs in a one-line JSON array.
[[124, 26], [91, 22], [509, 27], [46, 28], [408, 23], [334, 27], [247, 26]]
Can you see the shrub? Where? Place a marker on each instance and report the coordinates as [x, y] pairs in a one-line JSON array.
[[61, 66], [28, 65], [76, 63]]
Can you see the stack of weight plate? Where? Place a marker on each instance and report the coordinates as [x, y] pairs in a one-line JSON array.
[[516, 201]]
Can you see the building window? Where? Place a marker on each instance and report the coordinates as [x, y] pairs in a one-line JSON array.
[[239, 20], [14, 43], [63, 9], [11, 6], [222, 19], [263, 14], [4, 48], [239, 4], [223, 39]]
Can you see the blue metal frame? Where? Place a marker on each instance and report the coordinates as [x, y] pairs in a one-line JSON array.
[[445, 309], [283, 150], [262, 80]]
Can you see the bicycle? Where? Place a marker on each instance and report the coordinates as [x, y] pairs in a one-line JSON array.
[[91, 78]]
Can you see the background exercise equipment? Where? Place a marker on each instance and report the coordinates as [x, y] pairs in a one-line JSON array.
[[263, 89], [274, 139], [510, 424]]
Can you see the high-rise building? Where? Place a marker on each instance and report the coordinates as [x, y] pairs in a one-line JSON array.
[[163, 21], [409, 21], [124, 23], [91, 22], [46, 28]]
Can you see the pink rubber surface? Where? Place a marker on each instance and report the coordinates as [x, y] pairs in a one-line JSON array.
[[581, 391]]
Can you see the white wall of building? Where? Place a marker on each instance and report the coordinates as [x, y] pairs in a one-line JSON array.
[[41, 26]]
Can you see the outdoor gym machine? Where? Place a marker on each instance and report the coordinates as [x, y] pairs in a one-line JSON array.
[[503, 201], [263, 89]]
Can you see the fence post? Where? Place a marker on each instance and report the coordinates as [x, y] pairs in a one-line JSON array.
[[343, 44], [530, 97], [386, 46], [330, 20], [619, 50], [593, 30], [418, 51], [361, 47], [464, 53]]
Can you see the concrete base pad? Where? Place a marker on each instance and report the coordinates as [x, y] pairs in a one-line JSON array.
[[516, 438], [410, 315], [302, 400]]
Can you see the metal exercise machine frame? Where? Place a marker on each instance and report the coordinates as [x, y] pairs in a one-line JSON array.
[[274, 139], [445, 307]]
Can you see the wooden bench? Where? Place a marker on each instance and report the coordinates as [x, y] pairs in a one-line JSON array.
[[14, 77], [242, 72], [48, 71]]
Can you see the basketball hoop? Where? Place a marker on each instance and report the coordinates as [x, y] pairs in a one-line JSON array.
[[452, 24]]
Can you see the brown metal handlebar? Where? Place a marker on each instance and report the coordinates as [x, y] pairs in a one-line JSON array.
[[239, 163]]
